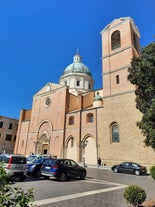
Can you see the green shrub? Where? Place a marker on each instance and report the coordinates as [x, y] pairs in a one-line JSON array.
[[13, 197], [152, 172], [4, 177], [134, 195]]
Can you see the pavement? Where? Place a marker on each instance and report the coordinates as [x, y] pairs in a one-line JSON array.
[[101, 188]]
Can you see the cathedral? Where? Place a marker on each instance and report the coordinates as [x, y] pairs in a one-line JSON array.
[[72, 120]]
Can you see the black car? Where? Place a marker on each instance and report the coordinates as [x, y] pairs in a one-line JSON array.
[[62, 169], [33, 168], [129, 167]]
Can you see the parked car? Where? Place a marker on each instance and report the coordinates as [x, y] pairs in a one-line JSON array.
[[34, 157], [62, 169], [14, 165], [129, 167], [33, 168]]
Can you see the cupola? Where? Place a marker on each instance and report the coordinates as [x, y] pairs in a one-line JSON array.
[[77, 76]]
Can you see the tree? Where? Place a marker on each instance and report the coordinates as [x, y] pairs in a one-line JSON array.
[[142, 75]]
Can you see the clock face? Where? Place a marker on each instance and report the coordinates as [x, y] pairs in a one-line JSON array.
[[48, 101]]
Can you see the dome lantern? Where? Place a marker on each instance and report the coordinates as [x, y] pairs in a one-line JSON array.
[[77, 58]]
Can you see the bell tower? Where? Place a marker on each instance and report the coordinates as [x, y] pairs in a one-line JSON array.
[[120, 43]]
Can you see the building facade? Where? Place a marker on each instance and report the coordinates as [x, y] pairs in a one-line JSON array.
[[72, 120], [122, 140], [8, 132]]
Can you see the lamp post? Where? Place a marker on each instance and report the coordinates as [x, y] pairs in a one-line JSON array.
[[98, 151], [37, 145], [83, 145]]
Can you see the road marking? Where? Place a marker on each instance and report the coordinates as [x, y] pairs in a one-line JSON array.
[[77, 195], [101, 182]]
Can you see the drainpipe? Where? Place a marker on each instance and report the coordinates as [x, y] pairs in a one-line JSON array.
[[97, 135], [80, 129], [27, 138], [65, 119]]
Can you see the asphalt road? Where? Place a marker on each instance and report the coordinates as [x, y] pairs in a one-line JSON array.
[[101, 188]]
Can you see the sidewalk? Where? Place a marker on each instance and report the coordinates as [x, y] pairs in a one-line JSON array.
[[102, 167]]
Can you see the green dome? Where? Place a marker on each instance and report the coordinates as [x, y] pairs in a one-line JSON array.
[[77, 67]]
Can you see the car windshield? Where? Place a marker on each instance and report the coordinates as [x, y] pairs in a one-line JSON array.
[[39, 160], [73, 163], [31, 157], [4, 159]]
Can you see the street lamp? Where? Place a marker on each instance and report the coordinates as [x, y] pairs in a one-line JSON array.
[[37, 145], [83, 145], [98, 150]]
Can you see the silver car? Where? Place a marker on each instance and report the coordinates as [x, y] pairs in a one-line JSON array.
[[14, 165]]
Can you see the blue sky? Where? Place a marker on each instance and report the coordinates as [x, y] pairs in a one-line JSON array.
[[38, 39]]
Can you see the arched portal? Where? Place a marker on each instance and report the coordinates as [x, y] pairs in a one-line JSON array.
[[43, 144], [90, 151], [43, 138], [71, 150]]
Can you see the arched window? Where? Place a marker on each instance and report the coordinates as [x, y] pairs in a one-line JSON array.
[[90, 118], [71, 120], [71, 142], [115, 40], [115, 132]]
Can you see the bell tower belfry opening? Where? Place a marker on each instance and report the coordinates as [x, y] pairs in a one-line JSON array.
[[120, 43]]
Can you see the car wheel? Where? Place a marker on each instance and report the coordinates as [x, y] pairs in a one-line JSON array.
[[83, 175], [22, 178], [29, 174], [137, 172], [38, 173], [62, 177], [115, 170], [46, 177], [34, 174]]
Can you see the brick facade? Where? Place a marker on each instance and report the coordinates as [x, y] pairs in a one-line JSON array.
[[8, 131], [83, 126]]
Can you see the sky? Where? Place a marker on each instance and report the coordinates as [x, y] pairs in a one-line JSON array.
[[38, 39]]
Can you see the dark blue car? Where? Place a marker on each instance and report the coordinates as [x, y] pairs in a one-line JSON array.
[[62, 169], [33, 168]]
